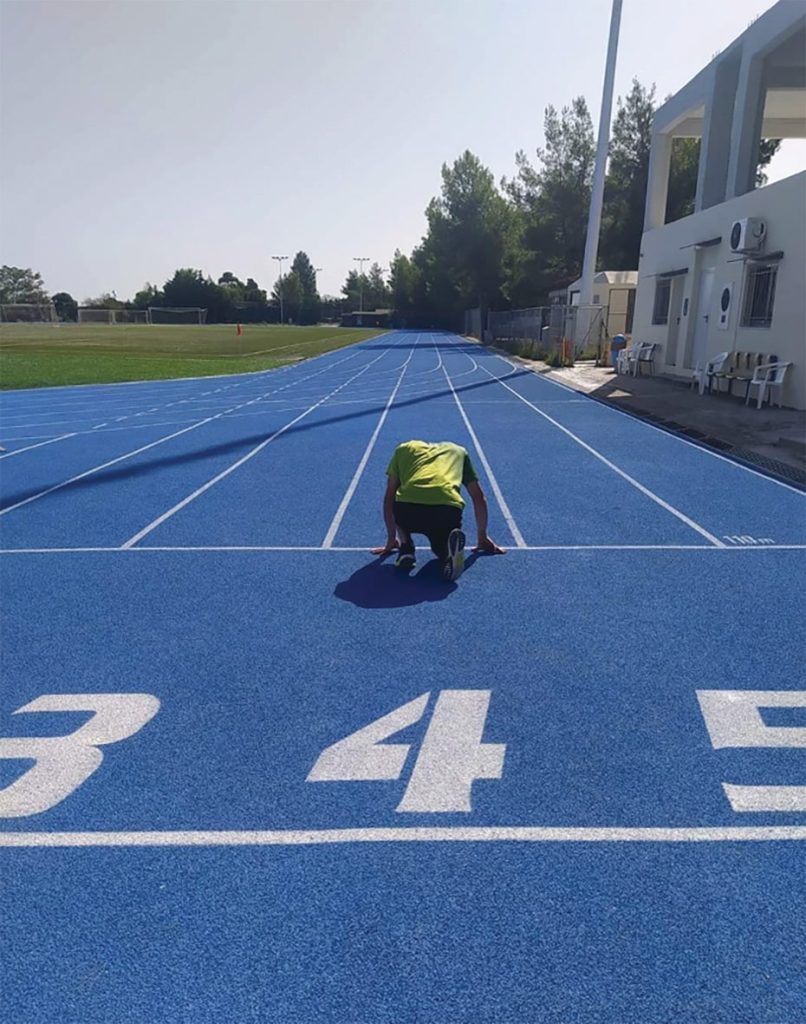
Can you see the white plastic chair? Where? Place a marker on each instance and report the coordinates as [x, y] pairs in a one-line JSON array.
[[628, 358], [704, 375], [646, 355], [766, 378]]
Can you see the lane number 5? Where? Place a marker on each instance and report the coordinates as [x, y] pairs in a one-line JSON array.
[[733, 719]]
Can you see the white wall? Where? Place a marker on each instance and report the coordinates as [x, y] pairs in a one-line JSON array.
[[783, 207]]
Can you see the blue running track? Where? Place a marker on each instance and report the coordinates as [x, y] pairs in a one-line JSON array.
[[571, 787]]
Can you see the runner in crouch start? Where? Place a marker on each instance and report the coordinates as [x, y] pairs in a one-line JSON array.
[[423, 495]]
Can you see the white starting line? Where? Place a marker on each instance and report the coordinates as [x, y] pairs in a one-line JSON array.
[[366, 548], [436, 834]]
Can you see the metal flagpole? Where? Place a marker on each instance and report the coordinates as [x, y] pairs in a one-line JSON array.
[[597, 191], [280, 287], [361, 260]]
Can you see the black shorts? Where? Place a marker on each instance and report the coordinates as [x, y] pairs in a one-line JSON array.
[[435, 521]]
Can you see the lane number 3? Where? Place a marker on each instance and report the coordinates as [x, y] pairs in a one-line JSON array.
[[62, 763]]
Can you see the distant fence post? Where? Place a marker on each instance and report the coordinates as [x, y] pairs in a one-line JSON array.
[[473, 323]]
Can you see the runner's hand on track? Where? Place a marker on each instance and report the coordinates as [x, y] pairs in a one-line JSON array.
[[387, 549], [487, 546]]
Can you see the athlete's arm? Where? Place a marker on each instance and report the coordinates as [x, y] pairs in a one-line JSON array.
[[392, 485], [485, 544]]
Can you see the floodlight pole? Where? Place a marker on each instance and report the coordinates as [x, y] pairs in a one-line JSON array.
[[597, 190], [280, 289], [361, 260]]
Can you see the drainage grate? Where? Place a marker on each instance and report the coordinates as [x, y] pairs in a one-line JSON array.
[[789, 473]]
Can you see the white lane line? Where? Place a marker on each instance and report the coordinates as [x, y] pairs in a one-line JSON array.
[[128, 426], [466, 373], [30, 447], [299, 400], [153, 444], [423, 834], [517, 536], [282, 348], [104, 465], [9, 418], [231, 469], [365, 548], [333, 529], [616, 469], [195, 400], [415, 376], [37, 423], [167, 405], [25, 437], [647, 423]]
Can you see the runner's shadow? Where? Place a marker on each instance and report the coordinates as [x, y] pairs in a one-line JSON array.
[[379, 585]]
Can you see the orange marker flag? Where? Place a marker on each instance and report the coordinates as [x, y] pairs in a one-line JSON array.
[[238, 330]]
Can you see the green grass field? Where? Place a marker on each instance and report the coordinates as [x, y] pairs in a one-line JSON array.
[[41, 355]]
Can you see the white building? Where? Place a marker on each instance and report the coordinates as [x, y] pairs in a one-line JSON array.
[[614, 289], [732, 275]]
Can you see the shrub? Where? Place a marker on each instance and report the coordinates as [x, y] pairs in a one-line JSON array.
[[556, 359]]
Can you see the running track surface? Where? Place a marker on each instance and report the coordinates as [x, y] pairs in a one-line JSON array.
[[588, 804]]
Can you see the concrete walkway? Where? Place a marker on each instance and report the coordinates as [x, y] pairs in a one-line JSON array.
[[772, 438]]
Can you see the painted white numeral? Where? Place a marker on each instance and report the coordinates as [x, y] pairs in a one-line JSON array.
[[451, 755], [62, 763], [733, 719], [360, 758]]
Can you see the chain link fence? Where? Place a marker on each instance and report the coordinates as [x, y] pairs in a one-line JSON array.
[[543, 330]]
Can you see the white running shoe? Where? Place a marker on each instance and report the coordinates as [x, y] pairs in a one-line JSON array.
[[455, 562]]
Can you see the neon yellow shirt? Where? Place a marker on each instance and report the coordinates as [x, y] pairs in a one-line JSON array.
[[431, 473]]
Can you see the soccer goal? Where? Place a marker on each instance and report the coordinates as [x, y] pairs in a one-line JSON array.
[[177, 315], [28, 313], [87, 315], [131, 316]]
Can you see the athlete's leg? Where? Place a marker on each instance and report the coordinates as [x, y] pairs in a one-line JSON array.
[[442, 519], [405, 522]]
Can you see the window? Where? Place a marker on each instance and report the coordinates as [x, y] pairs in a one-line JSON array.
[[663, 291], [759, 295]]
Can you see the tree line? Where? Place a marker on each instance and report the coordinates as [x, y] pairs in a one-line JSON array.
[[507, 245], [226, 300], [496, 245]]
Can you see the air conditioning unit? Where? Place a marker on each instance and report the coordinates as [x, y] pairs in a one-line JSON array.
[[747, 235]]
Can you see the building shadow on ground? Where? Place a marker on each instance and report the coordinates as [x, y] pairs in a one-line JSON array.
[[378, 584]]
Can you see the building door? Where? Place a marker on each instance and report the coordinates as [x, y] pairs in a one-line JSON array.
[[675, 314], [702, 312], [617, 307], [630, 311]]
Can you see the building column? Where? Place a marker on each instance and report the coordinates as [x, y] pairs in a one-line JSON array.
[[657, 190], [748, 114], [712, 176]]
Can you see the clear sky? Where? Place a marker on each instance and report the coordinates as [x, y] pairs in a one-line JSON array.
[[140, 135]]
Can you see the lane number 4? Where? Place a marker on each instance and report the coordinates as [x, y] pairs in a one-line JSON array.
[[452, 755]]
